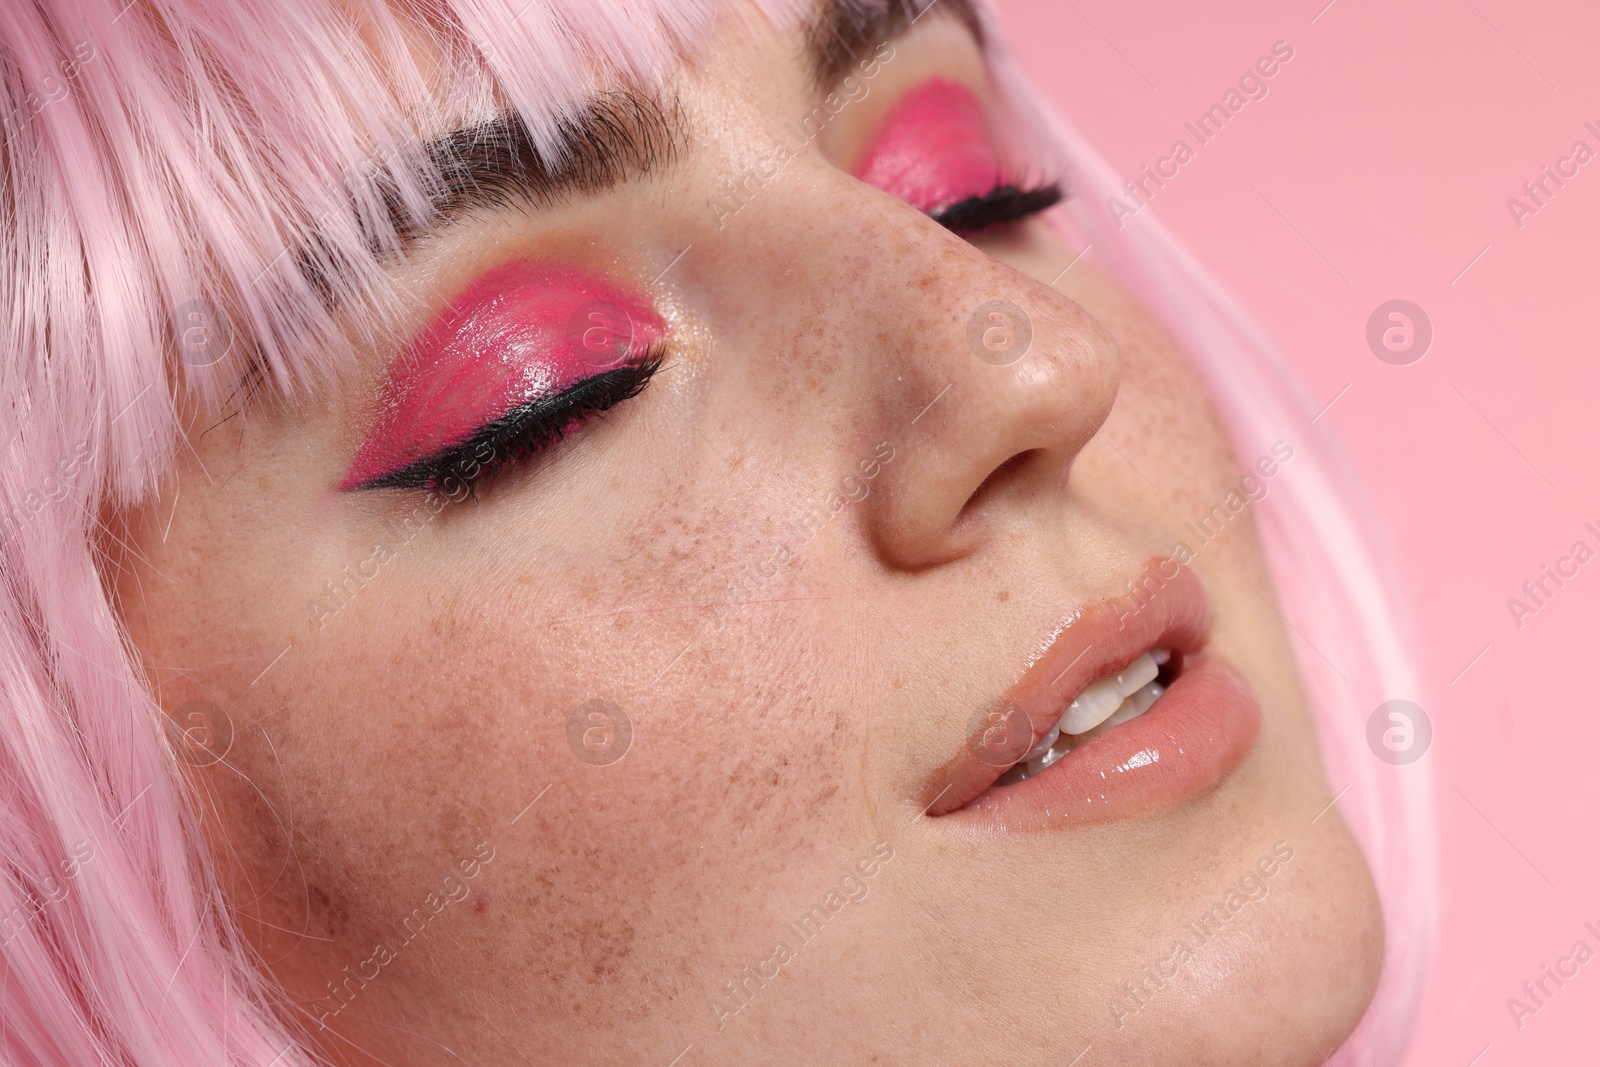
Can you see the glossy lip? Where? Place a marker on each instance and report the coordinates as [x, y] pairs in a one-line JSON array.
[[522, 331], [1194, 736], [933, 148]]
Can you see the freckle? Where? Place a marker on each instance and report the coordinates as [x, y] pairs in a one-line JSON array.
[[1003, 595], [480, 902]]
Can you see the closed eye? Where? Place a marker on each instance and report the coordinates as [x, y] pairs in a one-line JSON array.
[[522, 432], [1003, 204]]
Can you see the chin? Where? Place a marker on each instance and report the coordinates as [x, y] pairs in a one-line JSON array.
[[1284, 986]]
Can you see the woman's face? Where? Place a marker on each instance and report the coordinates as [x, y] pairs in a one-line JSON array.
[[678, 735]]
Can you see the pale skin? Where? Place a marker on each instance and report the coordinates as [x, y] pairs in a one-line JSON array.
[[776, 742]]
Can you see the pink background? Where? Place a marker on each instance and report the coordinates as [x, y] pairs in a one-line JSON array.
[[1378, 167]]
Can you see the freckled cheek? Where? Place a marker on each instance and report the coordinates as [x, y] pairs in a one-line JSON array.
[[437, 710], [731, 767], [651, 683], [1164, 414], [687, 691]]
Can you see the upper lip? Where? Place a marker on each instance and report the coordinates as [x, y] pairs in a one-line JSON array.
[[1102, 638]]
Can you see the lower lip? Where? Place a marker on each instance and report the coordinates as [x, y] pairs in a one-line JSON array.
[[1182, 748]]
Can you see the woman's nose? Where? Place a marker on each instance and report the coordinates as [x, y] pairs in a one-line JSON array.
[[1021, 378]]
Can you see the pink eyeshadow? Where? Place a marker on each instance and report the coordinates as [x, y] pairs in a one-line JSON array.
[[523, 331], [933, 148]]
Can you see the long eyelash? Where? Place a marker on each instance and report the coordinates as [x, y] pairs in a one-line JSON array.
[[524, 431], [1002, 204]]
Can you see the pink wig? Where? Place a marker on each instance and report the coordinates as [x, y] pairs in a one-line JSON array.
[[162, 159]]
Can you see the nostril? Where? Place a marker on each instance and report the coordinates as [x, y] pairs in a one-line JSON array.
[[996, 480]]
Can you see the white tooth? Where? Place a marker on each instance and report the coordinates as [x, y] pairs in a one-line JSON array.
[[1044, 744], [1136, 675], [1136, 705], [1161, 656], [1100, 701], [1047, 757], [1094, 706], [1147, 696]]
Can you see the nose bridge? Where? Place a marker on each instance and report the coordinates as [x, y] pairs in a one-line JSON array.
[[975, 373]]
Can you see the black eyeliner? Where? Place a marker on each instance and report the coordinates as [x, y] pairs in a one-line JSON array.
[[1000, 205], [523, 431]]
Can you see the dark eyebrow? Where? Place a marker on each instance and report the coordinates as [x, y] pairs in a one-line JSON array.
[[844, 31], [619, 136]]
